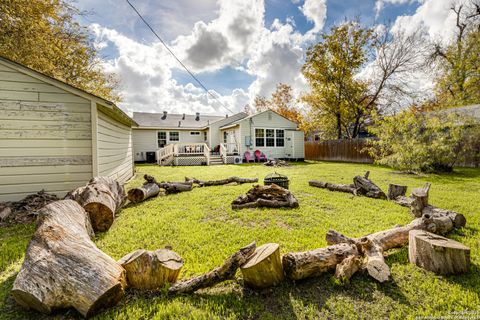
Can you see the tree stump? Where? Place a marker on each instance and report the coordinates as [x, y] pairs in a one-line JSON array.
[[63, 268], [420, 200], [102, 197], [144, 192], [438, 254], [395, 190], [147, 270], [264, 269]]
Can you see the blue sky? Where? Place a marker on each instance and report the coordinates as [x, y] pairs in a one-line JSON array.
[[206, 35]]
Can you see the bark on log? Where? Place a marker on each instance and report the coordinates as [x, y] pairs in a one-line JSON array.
[[144, 192], [420, 200], [395, 190], [438, 254], [348, 188], [147, 270], [225, 272], [63, 268], [367, 188], [170, 187], [347, 268], [264, 269], [271, 196], [102, 197], [203, 183]]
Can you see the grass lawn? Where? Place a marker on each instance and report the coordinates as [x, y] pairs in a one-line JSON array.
[[204, 230]]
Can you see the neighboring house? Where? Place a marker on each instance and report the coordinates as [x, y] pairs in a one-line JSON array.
[[182, 139], [56, 137]]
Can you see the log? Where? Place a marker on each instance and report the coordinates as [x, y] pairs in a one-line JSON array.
[[102, 197], [367, 188], [225, 272], [271, 196], [347, 268], [264, 268], [348, 188], [148, 270], [395, 191], [299, 265], [420, 200], [438, 254], [63, 268], [170, 187], [229, 180], [144, 192]]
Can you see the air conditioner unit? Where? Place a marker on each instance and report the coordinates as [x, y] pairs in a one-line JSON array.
[[237, 160]]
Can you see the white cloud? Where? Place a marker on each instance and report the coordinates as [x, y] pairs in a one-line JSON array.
[[316, 12], [380, 4]]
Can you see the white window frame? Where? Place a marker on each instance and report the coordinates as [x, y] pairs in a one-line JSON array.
[[158, 138], [194, 133], [265, 137], [170, 136]]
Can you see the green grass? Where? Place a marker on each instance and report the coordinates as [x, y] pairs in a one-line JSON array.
[[204, 230]]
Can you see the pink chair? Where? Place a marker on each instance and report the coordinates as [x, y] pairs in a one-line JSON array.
[[247, 157], [259, 156]]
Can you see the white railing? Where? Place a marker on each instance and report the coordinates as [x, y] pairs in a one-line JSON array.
[[183, 149], [190, 148], [206, 153], [164, 153], [223, 152], [231, 148]]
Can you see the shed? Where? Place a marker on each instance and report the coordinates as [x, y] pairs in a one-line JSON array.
[[56, 137]]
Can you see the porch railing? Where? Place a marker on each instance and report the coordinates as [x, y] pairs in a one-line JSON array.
[[183, 149], [231, 148], [223, 152], [164, 153]]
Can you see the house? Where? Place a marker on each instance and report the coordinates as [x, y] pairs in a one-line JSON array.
[[182, 139], [56, 137]]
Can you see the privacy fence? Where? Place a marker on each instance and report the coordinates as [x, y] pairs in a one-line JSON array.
[[353, 151]]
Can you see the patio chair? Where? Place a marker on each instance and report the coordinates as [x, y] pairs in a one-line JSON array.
[[260, 156], [247, 157]]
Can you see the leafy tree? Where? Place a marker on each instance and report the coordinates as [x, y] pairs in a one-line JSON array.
[[44, 36], [428, 142]]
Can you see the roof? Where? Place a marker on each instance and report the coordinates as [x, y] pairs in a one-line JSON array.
[[469, 111], [116, 111], [234, 123], [173, 120]]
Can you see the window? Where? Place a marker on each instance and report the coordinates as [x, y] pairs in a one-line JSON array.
[[280, 138], [174, 136], [162, 139], [225, 136], [270, 138], [205, 136], [259, 137], [194, 133]]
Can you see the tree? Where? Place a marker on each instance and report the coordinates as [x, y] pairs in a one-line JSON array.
[[424, 141], [458, 62], [44, 36]]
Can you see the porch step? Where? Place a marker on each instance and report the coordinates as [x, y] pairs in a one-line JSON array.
[[216, 160]]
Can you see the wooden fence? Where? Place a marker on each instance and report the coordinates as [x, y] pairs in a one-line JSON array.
[[338, 150]]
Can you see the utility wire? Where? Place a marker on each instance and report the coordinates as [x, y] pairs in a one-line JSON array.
[[179, 61]]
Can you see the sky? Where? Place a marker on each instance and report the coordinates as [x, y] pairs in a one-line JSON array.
[[237, 48]]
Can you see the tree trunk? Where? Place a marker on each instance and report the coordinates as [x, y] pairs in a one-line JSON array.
[[147, 270], [225, 272], [170, 187], [438, 254], [102, 197], [237, 180], [264, 269], [271, 196], [144, 192], [63, 268], [348, 188], [420, 200], [395, 191], [347, 268], [367, 188]]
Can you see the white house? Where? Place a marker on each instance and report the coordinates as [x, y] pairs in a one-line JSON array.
[[182, 139], [56, 137]]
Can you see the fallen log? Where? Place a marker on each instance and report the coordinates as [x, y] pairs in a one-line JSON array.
[[347, 268], [271, 196], [264, 268], [170, 187], [438, 254], [237, 180], [225, 272], [147, 270], [102, 197], [63, 268], [144, 192], [348, 188]]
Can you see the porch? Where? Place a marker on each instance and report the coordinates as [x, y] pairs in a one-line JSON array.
[[196, 154]]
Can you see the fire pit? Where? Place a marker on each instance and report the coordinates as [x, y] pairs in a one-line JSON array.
[[277, 178]]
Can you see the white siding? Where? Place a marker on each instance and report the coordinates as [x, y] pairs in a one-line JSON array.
[[114, 148], [45, 137], [215, 136], [265, 120]]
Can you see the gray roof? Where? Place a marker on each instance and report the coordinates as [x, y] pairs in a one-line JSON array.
[[470, 111], [172, 120]]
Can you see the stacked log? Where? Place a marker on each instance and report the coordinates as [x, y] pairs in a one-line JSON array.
[[102, 197], [63, 268], [271, 196]]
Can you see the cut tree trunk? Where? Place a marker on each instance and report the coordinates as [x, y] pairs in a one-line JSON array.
[[63, 268], [420, 200], [438, 254], [147, 270], [395, 191], [170, 187], [347, 268], [144, 192], [236, 180], [264, 269], [225, 272], [102, 197], [271, 196], [348, 188]]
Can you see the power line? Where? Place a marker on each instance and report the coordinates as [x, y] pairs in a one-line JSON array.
[[179, 61]]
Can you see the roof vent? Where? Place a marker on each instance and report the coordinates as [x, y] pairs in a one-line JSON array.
[[164, 115], [179, 123], [197, 116], [226, 116], [183, 117]]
